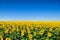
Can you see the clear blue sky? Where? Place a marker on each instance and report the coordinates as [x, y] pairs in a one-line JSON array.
[[30, 10]]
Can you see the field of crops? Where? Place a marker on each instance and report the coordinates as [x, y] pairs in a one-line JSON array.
[[29, 30]]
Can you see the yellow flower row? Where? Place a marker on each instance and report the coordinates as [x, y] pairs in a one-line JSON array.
[[33, 30]]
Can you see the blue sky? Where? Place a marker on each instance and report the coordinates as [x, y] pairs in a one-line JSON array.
[[30, 10]]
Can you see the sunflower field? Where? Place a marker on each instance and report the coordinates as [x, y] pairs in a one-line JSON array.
[[29, 30]]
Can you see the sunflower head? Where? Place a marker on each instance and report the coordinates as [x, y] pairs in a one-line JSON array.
[[8, 39], [41, 32], [49, 34], [34, 33], [22, 32], [1, 38], [30, 36], [28, 30], [6, 31], [50, 29]]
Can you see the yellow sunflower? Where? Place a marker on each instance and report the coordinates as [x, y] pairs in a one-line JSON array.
[[57, 28], [34, 33], [41, 32], [8, 39], [10, 32], [13, 29], [6, 31], [1, 38], [30, 39], [30, 36], [50, 29], [49, 34], [28, 30], [22, 32]]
